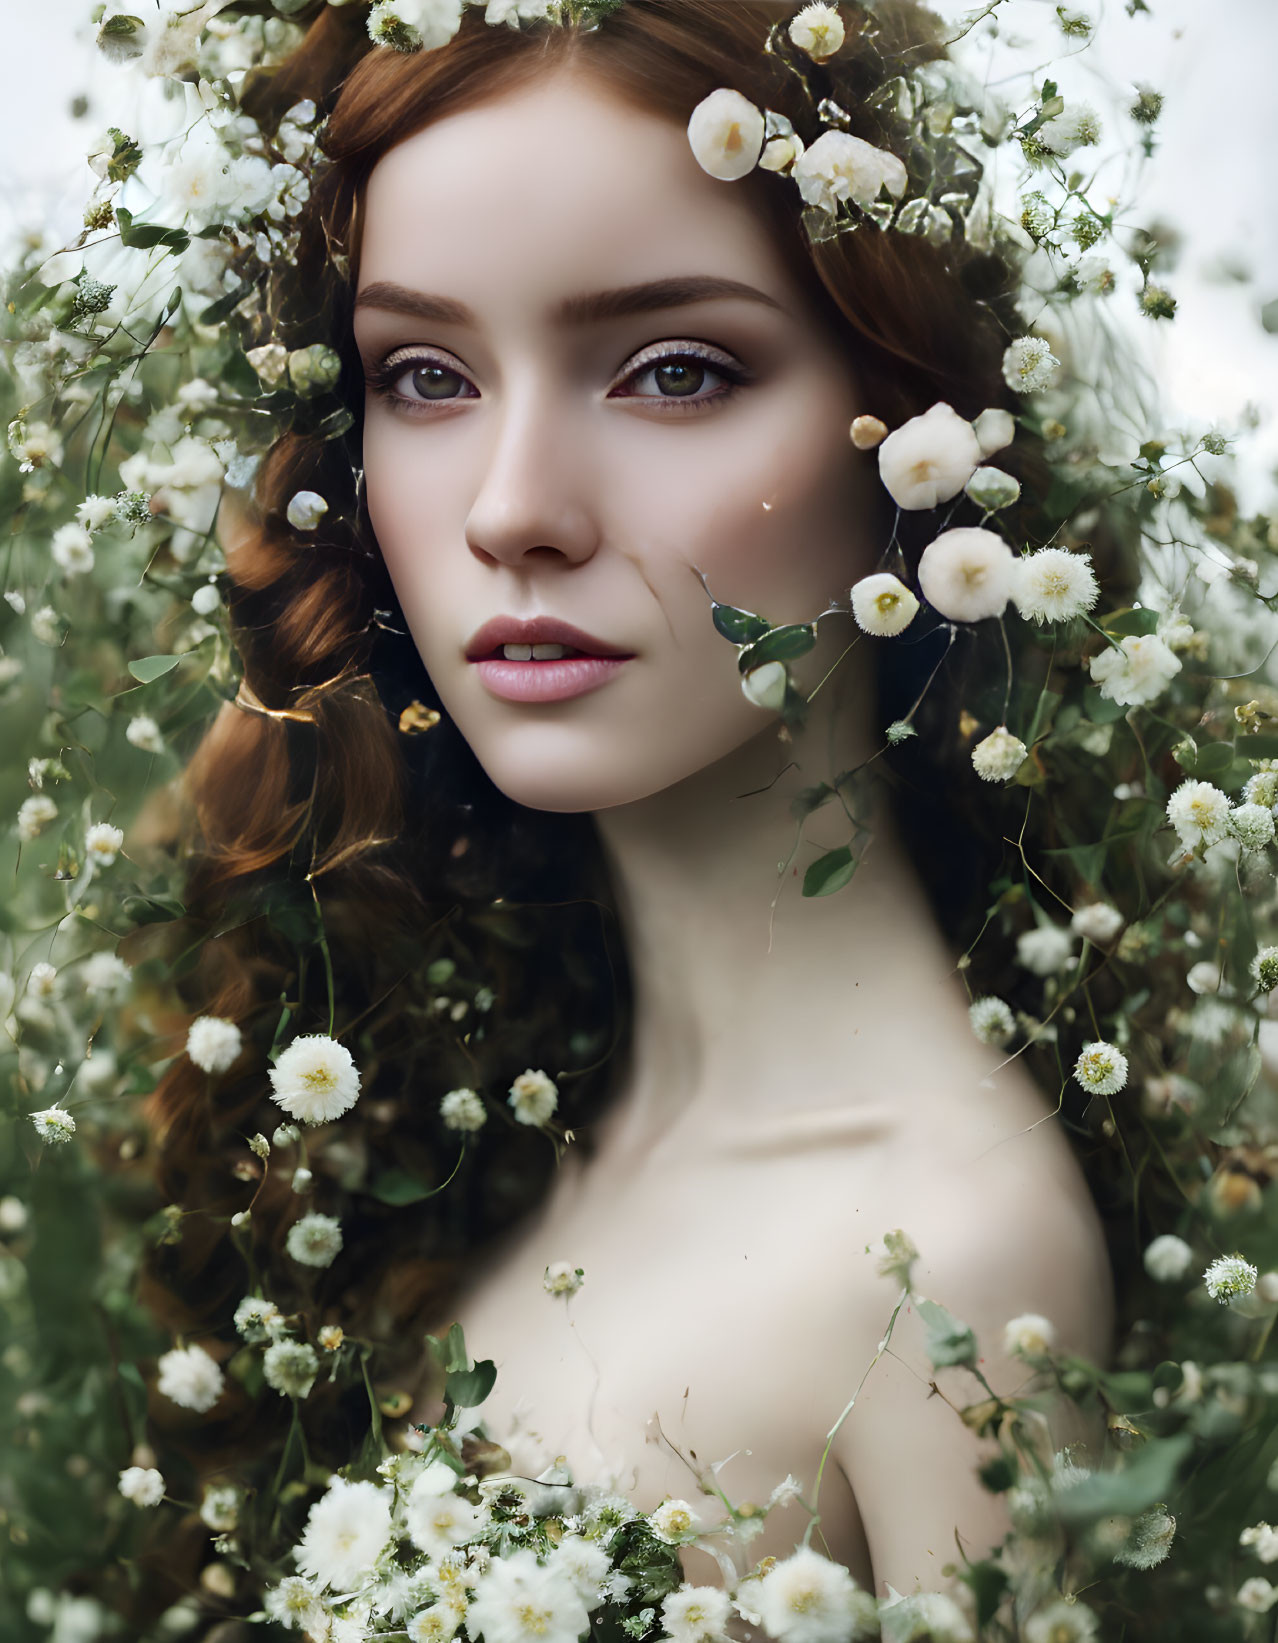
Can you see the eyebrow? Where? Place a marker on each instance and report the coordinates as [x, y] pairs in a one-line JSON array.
[[584, 309]]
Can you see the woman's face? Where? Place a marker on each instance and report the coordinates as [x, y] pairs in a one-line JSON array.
[[575, 414]]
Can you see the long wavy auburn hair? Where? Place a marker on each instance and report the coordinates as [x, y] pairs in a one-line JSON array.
[[338, 864]]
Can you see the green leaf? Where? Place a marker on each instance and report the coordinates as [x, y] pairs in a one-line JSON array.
[[1210, 762], [467, 1388], [987, 1583], [147, 668], [1146, 1479], [217, 311], [1099, 709], [949, 1340], [809, 799], [779, 645], [1125, 624], [149, 234], [1263, 745], [336, 423], [830, 872], [743, 627]]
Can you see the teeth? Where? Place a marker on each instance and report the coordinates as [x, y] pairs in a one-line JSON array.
[[534, 653]]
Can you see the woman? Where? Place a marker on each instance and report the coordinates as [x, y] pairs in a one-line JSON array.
[[598, 383]]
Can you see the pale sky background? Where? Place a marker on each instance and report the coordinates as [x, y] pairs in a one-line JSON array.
[[1212, 176]]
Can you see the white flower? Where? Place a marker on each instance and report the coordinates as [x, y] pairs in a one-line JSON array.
[[673, 1521], [213, 1043], [43, 981], [45, 626], [726, 134], [102, 843], [999, 756], [818, 30], [1200, 814], [533, 1097], [305, 510], [992, 489], [994, 429], [696, 1614], [290, 1367], [867, 431], [13, 1214], [1101, 1068], [1264, 969], [562, 1278], [143, 1485], [1098, 923], [143, 732], [53, 1124], [930, 1615], [190, 1377], [220, 1507], [929, 459], [512, 13], [1252, 825], [1062, 1622], [315, 1079], [1029, 365], [967, 574], [103, 974], [839, 167], [586, 1564], [206, 599], [1029, 1335], [314, 1240], [294, 1603], [1203, 977], [882, 604], [1263, 1539], [1168, 1258], [1054, 585], [806, 1598], [72, 549], [414, 25], [1045, 950], [257, 1319], [1077, 126], [992, 1021], [345, 1532], [518, 1599], [94, 511], [1257, 1594], [1230, 1277], [439, 1623], [1135, 671], [34, 815], [1262, 788], [463, 1110], [765, 686]]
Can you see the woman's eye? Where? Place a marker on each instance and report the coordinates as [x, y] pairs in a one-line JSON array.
[[676, 380], [429, 382]]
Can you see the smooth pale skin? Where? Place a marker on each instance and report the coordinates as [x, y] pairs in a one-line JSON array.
[[804, 1080]]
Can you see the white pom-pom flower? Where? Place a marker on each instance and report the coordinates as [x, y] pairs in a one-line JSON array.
[[72, 549], [1062, 1622], [1229, 1278], [190, 1377], [818, 30], [213, 1043], [346, 1530], [1029, 1335], [1046, 950], [883, 605], [463, 1110], [1264, 969], [999, 755], [1168, 1258], [143, 1485], [1054, 585], [1098, 923], [1200, 814], [53, 1124], [929, 459], [1029, 365], [807, 1598], [966, 574], [1101, 1068], [519, 1598], [1252, 825], [315, 1079], [533, 1097], [1136, 671], [725, 132], [992, 1021], [414, 25], [696, 1614], [102, 843], [839, 167], [673, 1521], [315, 1240], [932, 1615], [143, 732]]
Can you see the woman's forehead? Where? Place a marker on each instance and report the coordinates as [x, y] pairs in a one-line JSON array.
[[564, 186]]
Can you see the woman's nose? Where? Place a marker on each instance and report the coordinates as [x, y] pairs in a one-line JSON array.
[[532, 494]]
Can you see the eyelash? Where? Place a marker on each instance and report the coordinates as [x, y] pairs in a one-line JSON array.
[[383, 377]]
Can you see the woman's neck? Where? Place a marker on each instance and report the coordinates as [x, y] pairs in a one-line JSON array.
[[740, 1006]]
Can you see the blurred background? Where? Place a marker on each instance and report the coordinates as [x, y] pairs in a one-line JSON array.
[[1209, 180]]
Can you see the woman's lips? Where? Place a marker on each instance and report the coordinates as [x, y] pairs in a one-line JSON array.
[[550, 681]]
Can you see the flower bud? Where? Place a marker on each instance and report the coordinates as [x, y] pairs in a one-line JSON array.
[[305, 510], [313, 370], [991, 488], [270, 362], [867, 432], [765, 685]]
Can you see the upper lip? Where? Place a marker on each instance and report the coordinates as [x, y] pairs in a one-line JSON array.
[[536, 630]]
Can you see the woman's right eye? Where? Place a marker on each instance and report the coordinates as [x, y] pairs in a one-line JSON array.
[[430, 380]]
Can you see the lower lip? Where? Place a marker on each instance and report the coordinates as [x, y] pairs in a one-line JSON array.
[[548, 681]]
